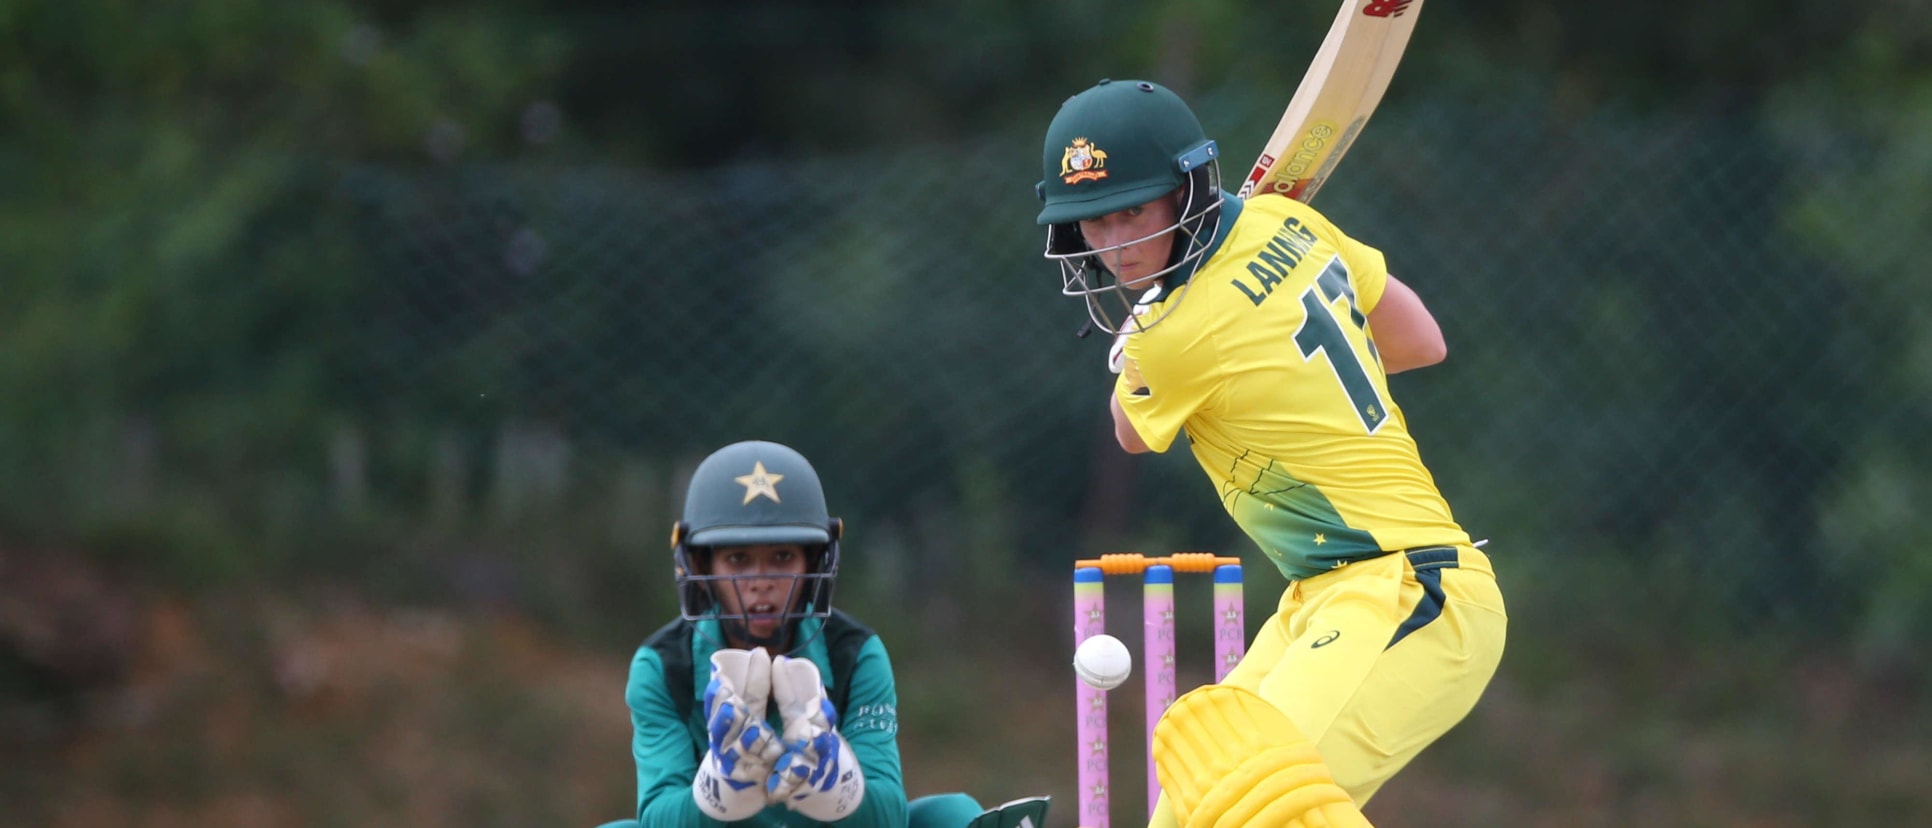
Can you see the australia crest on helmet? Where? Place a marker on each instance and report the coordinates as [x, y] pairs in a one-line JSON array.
[[1083, 162]]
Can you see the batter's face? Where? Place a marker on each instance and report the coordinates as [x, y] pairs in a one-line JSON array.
[[1135, 264], [763, 585]]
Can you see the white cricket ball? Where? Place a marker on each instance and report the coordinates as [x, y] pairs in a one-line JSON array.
[[1102, 662]]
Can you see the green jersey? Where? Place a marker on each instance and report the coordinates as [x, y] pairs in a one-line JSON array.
[[666, 698]]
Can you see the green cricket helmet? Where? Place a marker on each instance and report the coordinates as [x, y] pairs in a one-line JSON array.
[[1117, 145], [755, 493]]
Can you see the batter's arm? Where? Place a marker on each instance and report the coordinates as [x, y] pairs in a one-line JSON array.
[[1124, 432], [1406, 334]]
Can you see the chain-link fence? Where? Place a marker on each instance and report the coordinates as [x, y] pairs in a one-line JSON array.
[[1683, 361], [1687, 382]]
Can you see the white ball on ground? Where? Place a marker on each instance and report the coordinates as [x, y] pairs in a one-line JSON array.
[[1102, 662]]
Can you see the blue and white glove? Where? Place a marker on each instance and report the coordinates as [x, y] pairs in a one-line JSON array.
[[731, 780], [817, 776]]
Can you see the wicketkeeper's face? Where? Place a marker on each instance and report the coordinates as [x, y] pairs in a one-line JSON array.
[[759, 584], [1141, 240]]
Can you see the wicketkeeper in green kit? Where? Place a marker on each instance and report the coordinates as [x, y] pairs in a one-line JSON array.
[[761, 704]]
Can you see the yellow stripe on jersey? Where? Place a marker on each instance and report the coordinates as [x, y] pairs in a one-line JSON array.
[[1268, 363]]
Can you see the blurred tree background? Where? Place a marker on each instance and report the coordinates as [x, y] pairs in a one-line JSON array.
[[354, 354]]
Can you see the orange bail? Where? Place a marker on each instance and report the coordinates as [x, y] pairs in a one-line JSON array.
[[1133, 563]]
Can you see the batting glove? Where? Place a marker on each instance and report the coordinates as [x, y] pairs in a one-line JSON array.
[[1116, 355]]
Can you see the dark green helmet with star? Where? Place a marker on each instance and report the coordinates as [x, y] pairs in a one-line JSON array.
[[749, 494], [1117, 145]]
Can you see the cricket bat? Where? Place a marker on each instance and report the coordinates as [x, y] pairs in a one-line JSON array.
[[1343, 84]]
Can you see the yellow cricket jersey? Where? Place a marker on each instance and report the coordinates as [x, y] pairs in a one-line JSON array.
[[1267, 360]]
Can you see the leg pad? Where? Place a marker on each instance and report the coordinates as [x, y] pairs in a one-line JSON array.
[[1227, 758]]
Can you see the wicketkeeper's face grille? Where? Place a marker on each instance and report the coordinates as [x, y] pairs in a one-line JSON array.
[[762, 609]]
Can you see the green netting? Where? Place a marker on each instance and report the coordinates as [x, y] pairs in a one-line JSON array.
[[1686, 364]]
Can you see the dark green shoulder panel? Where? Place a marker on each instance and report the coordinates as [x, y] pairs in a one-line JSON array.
[[672, 643], [844, 637]]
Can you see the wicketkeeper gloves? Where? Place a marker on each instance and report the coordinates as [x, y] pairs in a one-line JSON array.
[[811, 770], [817, 776], [730, 784]]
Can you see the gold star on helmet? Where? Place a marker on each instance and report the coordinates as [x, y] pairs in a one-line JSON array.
[[760, 483]]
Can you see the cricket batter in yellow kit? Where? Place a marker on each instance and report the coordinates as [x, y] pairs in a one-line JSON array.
[[1265, 335]]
